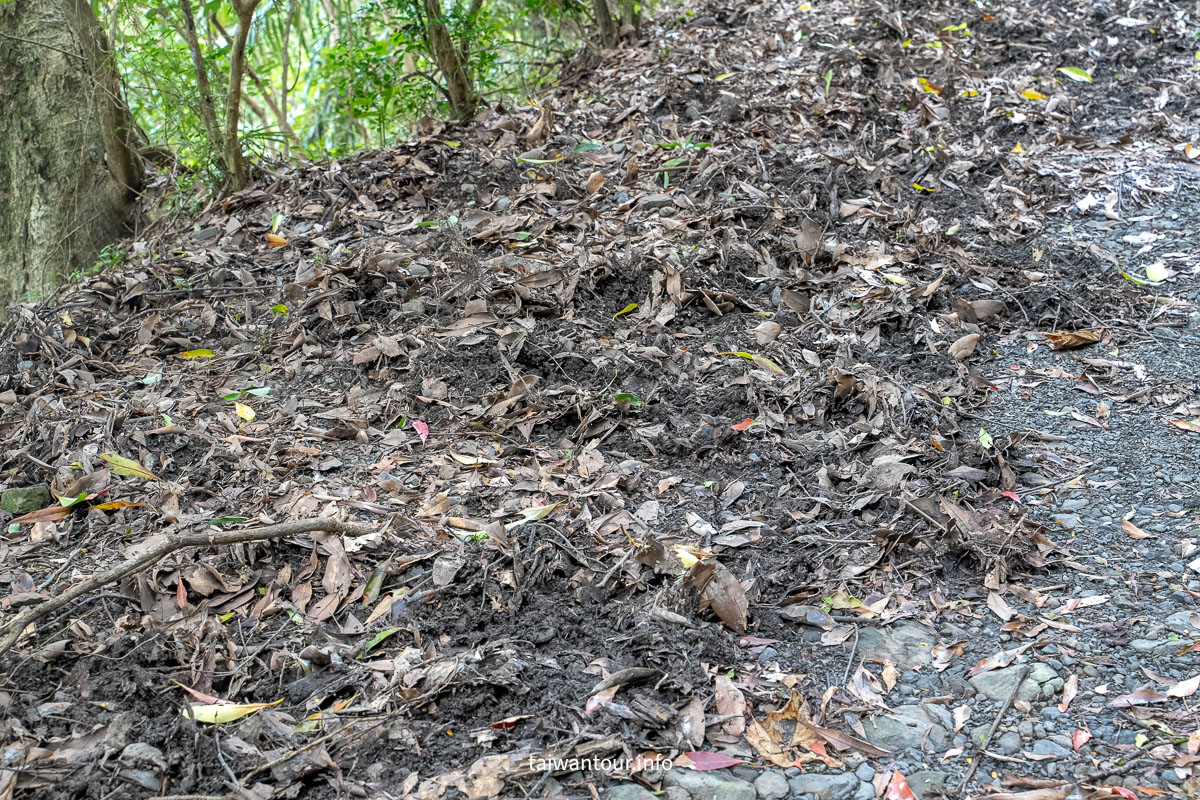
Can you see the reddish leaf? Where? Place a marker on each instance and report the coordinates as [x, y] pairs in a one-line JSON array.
[[1080, 738], [422, 429], [743, 425], [1011, 496], [898, 788], [1121, 790], [703, 761], [53, 513]]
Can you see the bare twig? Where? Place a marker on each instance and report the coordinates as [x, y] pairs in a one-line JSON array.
[[13, 629], [992, 730]]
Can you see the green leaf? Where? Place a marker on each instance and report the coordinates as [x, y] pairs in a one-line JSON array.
[[259, 391], [762, 361], [219, 713], [628, 399], [985, 439], [626, 310], [587, 147], [378, 639], [224, 520], [532, 515], [280, 308], [127, 466], [1076, 74]]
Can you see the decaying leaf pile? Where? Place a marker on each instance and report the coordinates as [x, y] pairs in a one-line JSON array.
[[627, 384]]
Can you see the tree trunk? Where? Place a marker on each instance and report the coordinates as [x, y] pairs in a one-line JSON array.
[[605, 22], [452, 62], [69, 174]]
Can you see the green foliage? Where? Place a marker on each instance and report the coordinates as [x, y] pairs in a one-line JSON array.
[[325, 77]]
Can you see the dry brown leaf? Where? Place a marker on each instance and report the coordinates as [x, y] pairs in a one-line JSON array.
[[1138, 697], [1134, 531], [1185, 688], [731, 705], [964, 346], [595, 182], [1070, 689], [1000, 607], [1186, 425], [1070, 340], [721, 592]]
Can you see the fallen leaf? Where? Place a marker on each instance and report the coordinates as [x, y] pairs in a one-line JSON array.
[[1080, 737], [422, 430], [998, 660], [1138, 697], [219, 713], [897, 788], [1185, 688], [722, 592], [731, 705], [1186, 425], [702, 761], [1070, 689], [1134, 531], [1070, 340], [1000, 607], [275, 240], [126, 466], [595, 182], [964, 346]]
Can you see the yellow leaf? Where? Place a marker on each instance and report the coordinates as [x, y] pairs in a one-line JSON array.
[[1033, 94], [900, 279], [220, 713], [471, 461], [244, 411], [1018, 148], [127, 466], [723, 76], [627, 309], [275, 240], [203, 352]]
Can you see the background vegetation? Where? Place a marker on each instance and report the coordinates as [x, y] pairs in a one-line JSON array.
[[212, 82]]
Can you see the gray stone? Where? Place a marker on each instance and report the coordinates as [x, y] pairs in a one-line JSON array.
[[1184, 622], [927, 784], [1045, 747], [713, 785], [628, 791], [771, 785], [998, 684], [652, 201], [676, 793], [413, 308], [1009, 743], [823, 786], [1042, 672], [910, 726], [907, 644], [865, 772], [866, 791], [25, 499], [1068, 521]]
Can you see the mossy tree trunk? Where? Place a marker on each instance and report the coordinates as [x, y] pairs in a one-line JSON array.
[[69, 174]]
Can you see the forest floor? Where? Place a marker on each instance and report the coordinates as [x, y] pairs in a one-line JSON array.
[[802, 402]]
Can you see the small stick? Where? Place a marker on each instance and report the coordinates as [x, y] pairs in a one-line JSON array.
[[13, 629], [992, 730]]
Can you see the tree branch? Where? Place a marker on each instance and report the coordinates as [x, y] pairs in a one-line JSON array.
[[13, 629]]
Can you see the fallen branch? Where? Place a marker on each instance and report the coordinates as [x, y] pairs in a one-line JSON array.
[[13, 629], [1021, 673]]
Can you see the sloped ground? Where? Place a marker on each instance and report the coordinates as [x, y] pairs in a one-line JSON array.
[[718, 298]]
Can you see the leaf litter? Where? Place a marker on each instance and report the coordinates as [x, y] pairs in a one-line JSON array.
[[438, 353]]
